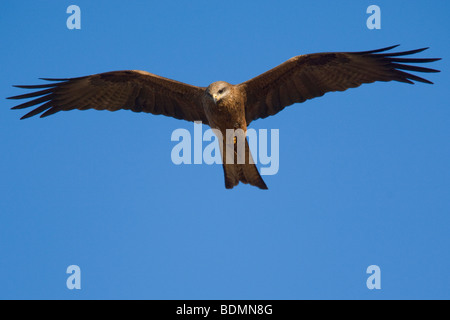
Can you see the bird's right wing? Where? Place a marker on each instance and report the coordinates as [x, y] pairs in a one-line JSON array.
[[312, 75], [138, 91]]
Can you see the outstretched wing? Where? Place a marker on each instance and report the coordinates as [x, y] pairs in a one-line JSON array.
[[312, 75], [138, 91]]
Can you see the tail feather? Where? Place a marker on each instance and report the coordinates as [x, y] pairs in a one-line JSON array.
[[246, 173]]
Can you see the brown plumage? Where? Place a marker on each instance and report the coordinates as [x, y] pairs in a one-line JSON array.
[[222, 105]]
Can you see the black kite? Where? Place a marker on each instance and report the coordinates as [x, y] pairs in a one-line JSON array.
[[222, 105]]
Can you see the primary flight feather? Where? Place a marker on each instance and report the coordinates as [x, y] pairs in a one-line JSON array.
[[221, 105]]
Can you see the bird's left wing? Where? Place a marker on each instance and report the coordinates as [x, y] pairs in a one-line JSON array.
[[312, 75], [138, 91]]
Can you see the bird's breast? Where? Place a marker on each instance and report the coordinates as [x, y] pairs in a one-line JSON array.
[[225, 114]]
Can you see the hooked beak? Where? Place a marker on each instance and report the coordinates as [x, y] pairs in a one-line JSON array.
[[214, 96]]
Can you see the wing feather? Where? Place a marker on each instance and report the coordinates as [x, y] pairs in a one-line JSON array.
[[312, 75], [137, 91]]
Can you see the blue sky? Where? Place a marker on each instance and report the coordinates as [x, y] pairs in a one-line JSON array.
[[364, 175]]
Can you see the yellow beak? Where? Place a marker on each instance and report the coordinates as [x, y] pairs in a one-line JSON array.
[[215, 98]]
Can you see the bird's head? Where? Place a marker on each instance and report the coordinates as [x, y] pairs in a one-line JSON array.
[[218, 90]]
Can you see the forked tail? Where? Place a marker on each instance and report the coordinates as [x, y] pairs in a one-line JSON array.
[[245, 173]]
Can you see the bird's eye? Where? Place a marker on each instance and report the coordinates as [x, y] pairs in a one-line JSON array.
[[220, 91]]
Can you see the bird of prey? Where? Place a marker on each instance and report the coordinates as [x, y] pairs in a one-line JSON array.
[[222, 105]]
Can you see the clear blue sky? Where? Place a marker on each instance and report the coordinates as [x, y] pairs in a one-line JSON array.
[[364, 175]]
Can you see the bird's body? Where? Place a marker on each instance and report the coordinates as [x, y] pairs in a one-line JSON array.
[[224, 106], [227, 109]]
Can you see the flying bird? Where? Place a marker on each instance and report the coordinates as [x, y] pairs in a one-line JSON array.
[[222, 105]]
